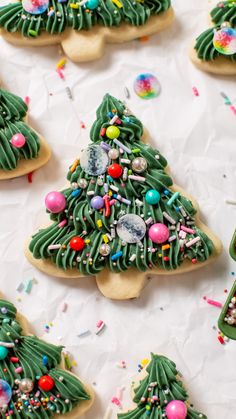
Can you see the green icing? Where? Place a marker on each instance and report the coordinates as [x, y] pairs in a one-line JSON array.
[[223, 12], [161, 383], [13, 17], [82, 220], [67, 392], [12, 112]]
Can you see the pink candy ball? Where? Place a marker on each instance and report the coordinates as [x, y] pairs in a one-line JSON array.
[[55, 202], [176, 409], [18, 140], [158, 233]]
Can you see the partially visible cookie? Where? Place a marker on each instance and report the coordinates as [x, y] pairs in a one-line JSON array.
[[33, 378], [215, 49], [83, 27], [22, 150], [158, 392]]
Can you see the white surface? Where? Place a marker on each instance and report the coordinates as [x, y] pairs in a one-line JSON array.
[[197, 136]]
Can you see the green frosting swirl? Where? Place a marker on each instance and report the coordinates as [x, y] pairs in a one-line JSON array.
[[157, 389], [223, 12], [90, 224], [28, 353], [13, 17], [12, 111]]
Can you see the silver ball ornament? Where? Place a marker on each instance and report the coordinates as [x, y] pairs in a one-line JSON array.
[[26, 385], [113, 154], [233, 313], [82, 183], [226, 25], [230, 320], [104, 249], [139, 165]]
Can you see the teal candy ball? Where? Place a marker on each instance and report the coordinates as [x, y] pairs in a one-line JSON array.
[[92, 4], [3, 353], [152, 197]]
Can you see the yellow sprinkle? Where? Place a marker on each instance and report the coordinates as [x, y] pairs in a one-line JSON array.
[[117, 3], [74, 363], [165, 247], [47, 399], [50, 324], [144, 362], [110, 193], [159, 255], [61, 63], [99, 223], [87, 241], [74, 165], [74, 5], [64, 246], [105, 238]]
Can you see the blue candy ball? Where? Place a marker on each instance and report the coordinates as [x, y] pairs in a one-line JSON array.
[[152, 197], [92, 4], [3, 353]]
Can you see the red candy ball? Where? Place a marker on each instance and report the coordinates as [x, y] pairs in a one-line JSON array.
[[77, 243], [46, 383], [115, 170]]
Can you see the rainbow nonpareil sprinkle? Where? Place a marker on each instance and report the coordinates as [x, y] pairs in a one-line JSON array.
[[146, 86], [225, 41]]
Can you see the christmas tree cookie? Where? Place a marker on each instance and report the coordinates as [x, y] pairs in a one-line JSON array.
[[22, 150], [120, 217], [33, 380], [215, 49], [82, 27], [159, 393]]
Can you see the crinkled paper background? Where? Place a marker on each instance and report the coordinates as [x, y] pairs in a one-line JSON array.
[[197, 136]]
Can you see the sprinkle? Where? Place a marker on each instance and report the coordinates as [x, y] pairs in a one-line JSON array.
[[28, 286], [62, 223], [105, 146], [126, 161], [165, 247], [60, 73], [18, 370], [67, 361], [149, 221], [123, 200], [165, 258], [105, 238], [116, 255], [76, 193], [33, 33], [64, 307], [187, 230], [30, 177], [99, 223], [182, 212], [74, 5], [84, 334], [54, 246], [136, 150], [127, 93], [61, 63], [221, 340], [108, 413], [231, 202], [45, 360], [214, 303], [171, 238], [113, 120], [27, 100], [132, 257], [113, 233], [14, 359], [168, 218], [103, 132], [173, 198], [233, 109], [69, 93], [125, 174], [121, 364], [20, 287], [115, 400], [227, 100], [193, 241], [100, 326], [114, 188], [144, 38], [195, 91], [7, 344], [138, 178], [90, 193], [74, 165], [122, 146], [117, 3]]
